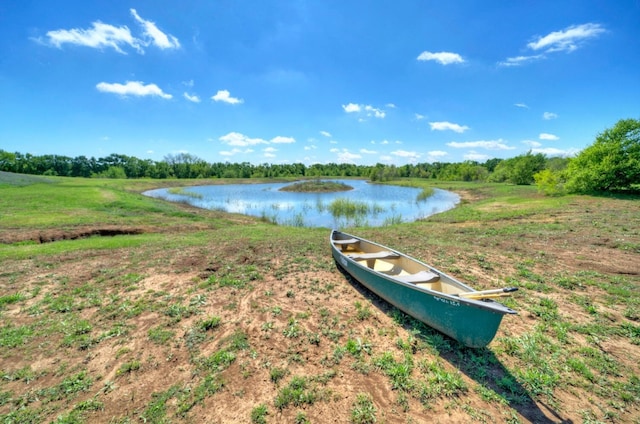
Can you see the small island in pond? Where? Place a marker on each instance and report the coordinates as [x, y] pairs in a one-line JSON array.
[[317, 186]]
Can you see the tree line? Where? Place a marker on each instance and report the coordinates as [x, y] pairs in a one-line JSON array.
[[518, 170], [611, 163]]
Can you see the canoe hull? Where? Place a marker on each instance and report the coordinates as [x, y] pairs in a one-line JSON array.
[[468, 322]]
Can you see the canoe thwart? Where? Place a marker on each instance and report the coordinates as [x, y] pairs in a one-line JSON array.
[[488, 293], [346, 241], [419, 277], [385, 254]]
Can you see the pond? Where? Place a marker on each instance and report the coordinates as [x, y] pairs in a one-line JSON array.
[[366, 205]]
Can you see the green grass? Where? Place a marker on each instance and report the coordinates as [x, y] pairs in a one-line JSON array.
[[228, 301], [317, 186]]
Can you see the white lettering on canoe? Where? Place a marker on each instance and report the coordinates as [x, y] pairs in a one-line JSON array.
[[447, 301]]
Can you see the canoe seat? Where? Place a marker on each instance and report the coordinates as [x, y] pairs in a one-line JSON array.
[[345, 243], [371, 257], [385, 254], [419, 277]]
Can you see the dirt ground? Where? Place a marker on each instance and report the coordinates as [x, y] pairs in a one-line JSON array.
[[312, 295]]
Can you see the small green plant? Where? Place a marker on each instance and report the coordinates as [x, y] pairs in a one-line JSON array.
[[363, 410], [292, 330], [11, 298], [209, 323], [259, 414], [129, 367], [159, 335], [362, 312], [297, 392], [301, 418], [277, 374]]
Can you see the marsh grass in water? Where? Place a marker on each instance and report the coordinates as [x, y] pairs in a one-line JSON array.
[[317, 186], [182, 191]]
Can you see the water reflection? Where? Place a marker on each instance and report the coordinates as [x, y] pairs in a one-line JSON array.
[[377, 204]]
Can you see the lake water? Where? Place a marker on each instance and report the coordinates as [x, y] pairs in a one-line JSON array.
[[385, 204]]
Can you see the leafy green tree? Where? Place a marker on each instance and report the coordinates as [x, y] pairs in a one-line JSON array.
[[549, 182], [520, 169], [611, 163]]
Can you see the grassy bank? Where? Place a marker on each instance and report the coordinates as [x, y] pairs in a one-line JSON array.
[[118, 308]]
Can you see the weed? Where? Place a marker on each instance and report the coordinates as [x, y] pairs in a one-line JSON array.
[[363, 410], [362, 313], [297, 393], [129, 367], [219, 361], [357, 347], [11, 298], [259, 414], [156, 411], [293, 329], [159, 335], [301, 418], [276, 374]]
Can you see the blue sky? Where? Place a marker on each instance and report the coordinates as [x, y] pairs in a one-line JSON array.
[[362, 82]]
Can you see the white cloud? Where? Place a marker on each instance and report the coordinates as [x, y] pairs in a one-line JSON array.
[[283, 140], [133, 88], [378, 113], [238, 139], [568, 39], [102, 35], [368, 152], [549, 115], [391, 105], [406, 154], [351, 108], [158, 38], [443, 126], [498, 144], [368, 110], [325, 133], [532, 143], [547, 136], [99, 36], [225, 97], [230, 152], [443, 58], [437, 153], [192, 98], [270, 152], [475, 156], [345, 156], [418, 117], [520, 60], [521, 105], [552, 151]]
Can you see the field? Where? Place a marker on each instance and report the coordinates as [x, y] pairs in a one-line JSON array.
[[117, 308]]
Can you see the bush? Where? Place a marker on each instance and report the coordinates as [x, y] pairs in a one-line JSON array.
[[611, 163]]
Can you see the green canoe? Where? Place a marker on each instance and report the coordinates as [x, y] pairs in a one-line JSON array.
[[433, 297]]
